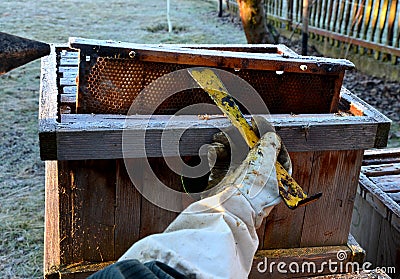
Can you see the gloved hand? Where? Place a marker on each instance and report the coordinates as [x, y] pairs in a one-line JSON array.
[[256, 176]]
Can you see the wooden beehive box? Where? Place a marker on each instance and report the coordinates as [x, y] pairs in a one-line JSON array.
[[93, 211], [376, 217]]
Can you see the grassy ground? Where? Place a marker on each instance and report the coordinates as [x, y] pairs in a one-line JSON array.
[[21, 171]]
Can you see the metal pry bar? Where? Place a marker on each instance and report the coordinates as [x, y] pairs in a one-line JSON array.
[[290, 191]]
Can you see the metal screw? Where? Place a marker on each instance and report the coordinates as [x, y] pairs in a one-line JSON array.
[[303, 67], [132, 54]]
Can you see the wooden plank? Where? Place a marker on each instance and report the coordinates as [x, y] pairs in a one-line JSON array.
[[382, 180], [366, 226], [298, 10], [155, 219], [68, 98], [368, 14], [393, 152], [389, 187], [347, 18], [127, 207], [381, 156], [383, 18], [261, 234], [69, 74], [69, 54], [391, 22], [328, 13], [336, 13], [341, 16], [89, 205], [76, 134], [328, 18], [48, 106], [320, 14], [65, 69], [69, 61], [68, 81], [382, 133], [69, 90], [335, 174], [252, 48], [360, 20], [355, 17], [375, 17], [78, 271], [395, 196], [377, 232], [52, 226], [298, 262], [381, 169], [378, 199], [213, 58], [284, 226], [360, 42], [66, 219]]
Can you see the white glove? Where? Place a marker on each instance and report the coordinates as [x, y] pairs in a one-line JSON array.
[[216, 236]]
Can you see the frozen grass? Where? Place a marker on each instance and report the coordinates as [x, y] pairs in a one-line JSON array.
[[21, 170]]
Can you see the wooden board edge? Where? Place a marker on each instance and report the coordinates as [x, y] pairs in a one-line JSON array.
[[357, 252], [51, 255], [213, 58], [77, 270], [387, 208], [76, 134], [383, 122], [48, 108], [267, 262]]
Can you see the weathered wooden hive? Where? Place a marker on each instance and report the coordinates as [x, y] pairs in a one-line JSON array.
[[94, 212], [376, 215]]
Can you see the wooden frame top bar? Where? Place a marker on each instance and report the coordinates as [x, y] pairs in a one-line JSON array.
[[278, 58]]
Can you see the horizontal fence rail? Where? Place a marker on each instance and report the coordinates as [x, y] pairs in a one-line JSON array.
[[369, 27]]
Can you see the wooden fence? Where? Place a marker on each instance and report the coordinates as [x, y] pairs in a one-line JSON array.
[[370, 27]]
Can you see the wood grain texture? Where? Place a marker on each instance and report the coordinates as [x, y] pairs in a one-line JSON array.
[[284, 226], [52, 226], [77, 271], [93, 194], [100, 136], [128, 203], [335, 174], [153, 218], [48, 106], [381, 169], [384, 122], [375, 221], [79, 136], [213, 58], [86, 210], [299, 262], [381, 156]]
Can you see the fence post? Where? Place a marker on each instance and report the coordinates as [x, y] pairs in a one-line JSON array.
[[304, 41]]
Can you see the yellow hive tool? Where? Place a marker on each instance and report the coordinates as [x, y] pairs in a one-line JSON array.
[[292, 194]]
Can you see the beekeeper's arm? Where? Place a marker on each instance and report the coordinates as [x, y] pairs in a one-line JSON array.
[[216, 236]]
